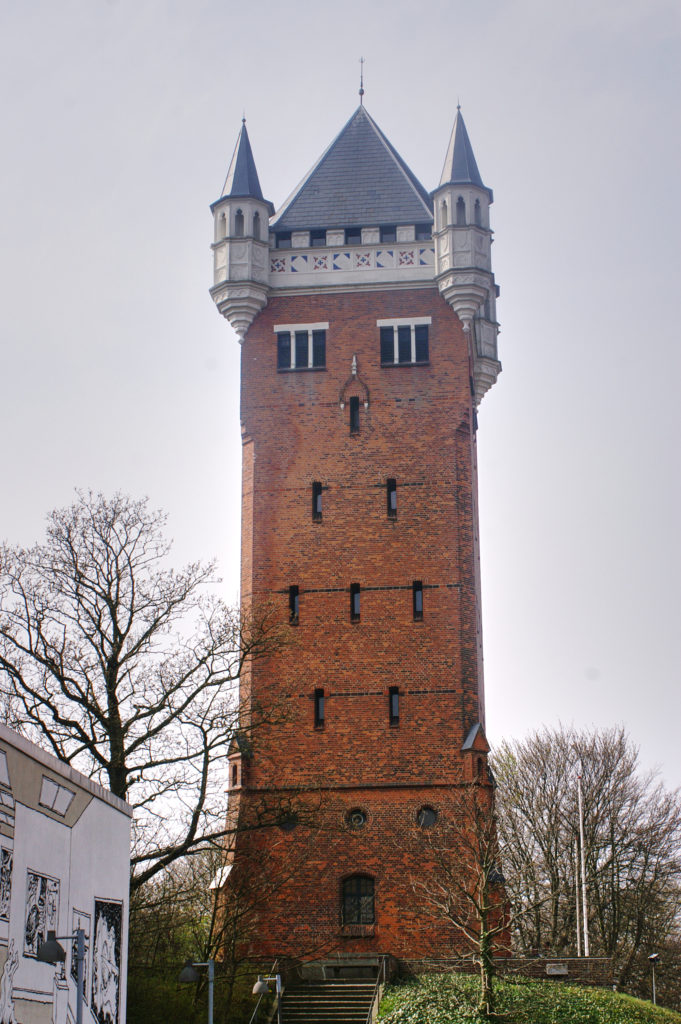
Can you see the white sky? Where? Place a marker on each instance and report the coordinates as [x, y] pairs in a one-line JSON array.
[[118, 123]]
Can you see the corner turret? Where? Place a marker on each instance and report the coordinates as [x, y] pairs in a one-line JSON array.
[[463, 266], [241, 241]]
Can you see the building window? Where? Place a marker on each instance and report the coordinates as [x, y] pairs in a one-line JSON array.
[[477, 213], [388, 233], [282, 240], [353, 236], [358, 900], [460, 212], [426, 817], [417, 599], [239, 223], [354, 602], [293, 605], [391, 497], [319, 709], [424, 232], [234, 775], [404, 342], [301, 346], [317, 501], [394, 704], [356, 818], [256, 225], [354, 415], [317, 238]]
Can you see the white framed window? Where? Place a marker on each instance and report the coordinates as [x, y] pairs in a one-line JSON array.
[[301, 346], [404, 342], [55, 797]]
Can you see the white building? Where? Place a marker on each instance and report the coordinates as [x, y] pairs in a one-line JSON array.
[[64, 864]]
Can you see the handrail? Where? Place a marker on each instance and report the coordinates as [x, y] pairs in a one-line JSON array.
[[380, 979], [254, 1017]]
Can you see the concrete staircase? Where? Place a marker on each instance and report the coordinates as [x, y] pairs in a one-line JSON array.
[[328, 1002]]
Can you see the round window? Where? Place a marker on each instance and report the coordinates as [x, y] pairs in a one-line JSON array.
[[356, 818], [426, 817], [288, 822]]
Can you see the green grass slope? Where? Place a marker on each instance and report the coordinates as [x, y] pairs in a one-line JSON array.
[[452, 999]]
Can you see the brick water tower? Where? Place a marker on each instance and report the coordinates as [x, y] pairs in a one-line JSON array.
[[365, 308]]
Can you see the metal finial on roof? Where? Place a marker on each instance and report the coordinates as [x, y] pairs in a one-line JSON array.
[[361, 81], [458, 104]]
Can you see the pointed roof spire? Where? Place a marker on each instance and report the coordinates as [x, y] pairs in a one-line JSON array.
[[460, 167], [242, 177], [359, 180]]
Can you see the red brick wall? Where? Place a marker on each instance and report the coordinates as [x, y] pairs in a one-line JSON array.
[[417, 429]]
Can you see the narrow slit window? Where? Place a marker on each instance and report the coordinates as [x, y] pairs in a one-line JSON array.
[[404, 345], [354, 415], [387, 345], [293, 605], [391, 496], [394, 705], [239, 223], [317, 501], [319, 348], [460, 212], [417, 599], [256, 225], [421, 343], [319, 710], [354, 602], [301, 349], [284, 350]]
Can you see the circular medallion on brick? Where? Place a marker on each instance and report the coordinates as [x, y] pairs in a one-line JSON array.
[[426, 817], [356, 818]]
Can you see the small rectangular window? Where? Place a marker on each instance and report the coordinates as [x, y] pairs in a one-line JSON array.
[[417, 598], [284, 350], [301, 349], [391, 495], [354, 602], [318, 709], [421, 343], [387, 345], [394, 705], [319, 348], [317, 238], [404, 345], [388, 233], [316, 501], [354, 415], [423, 232], [293, 605], [353, 236], [283, 240]]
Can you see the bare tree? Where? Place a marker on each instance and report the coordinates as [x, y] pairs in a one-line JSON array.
[[460, 880], [632, 843], [127, 669]]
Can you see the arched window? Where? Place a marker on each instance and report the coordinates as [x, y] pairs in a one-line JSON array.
[[358, 900], [222, 226], [477, 213], [256, 225], [234, 775], [443, 214], [238, 223], [460, 212]]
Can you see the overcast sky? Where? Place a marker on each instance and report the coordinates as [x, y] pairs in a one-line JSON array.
[[119, 119]]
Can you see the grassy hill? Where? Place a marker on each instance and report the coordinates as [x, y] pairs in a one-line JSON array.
[[452, 998]]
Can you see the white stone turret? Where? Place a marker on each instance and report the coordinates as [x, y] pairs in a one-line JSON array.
[[463, 266], [241, 241]]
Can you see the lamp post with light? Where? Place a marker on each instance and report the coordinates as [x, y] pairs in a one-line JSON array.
[[52, 952], [654, 957], [189, 974], [262, 987]]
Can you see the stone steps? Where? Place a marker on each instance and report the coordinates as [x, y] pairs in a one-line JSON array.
[[328, 1002]]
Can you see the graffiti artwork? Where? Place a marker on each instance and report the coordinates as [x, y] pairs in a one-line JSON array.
[[5, 882], [42, 910], [106, 961]]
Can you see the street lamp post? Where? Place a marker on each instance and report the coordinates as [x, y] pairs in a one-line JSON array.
[[52, 952], [654, 957], [262, 987], [189, 974]]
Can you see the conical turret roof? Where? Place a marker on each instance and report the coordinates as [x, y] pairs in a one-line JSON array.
[[460, 167], [242, 177], [360, 180]]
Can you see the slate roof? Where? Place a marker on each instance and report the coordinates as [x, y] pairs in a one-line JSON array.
[[460, 167], [242, 177], [359, 181]]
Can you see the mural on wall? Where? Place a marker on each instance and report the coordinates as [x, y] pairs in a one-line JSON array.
[[42, 910], [80, 920], [106, 961], [7, 985], [5, 882]]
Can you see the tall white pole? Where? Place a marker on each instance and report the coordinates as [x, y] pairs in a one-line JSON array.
[[585, 923], [579, 934]]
